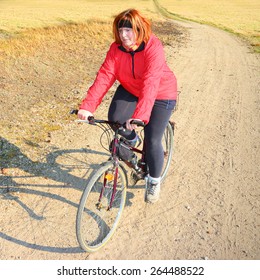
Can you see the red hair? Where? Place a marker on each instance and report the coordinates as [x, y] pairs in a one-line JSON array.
[[141, 26]]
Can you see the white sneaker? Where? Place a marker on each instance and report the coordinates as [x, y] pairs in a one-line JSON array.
[[152, 192]]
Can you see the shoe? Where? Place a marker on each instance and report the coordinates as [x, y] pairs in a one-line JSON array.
[[152, 192]]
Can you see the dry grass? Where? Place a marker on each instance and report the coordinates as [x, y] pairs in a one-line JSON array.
[[25, 24], [27, 42], [18, 15], [237, 16], [46, 70]]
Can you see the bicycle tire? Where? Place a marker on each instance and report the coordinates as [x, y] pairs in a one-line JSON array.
[[167, 143], [95, 224]]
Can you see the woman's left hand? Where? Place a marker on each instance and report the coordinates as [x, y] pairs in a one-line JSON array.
[[131, 126]]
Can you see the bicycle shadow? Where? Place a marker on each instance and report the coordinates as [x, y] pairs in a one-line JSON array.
[[60, 173], [34, 216], [12, 157]]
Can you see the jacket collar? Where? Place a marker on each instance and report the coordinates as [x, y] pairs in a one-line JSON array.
[[139, 49]]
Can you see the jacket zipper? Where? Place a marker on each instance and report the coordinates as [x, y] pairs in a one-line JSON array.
[[133, 63], [132, 53]]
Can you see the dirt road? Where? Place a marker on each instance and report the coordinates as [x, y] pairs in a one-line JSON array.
[[209, 207]]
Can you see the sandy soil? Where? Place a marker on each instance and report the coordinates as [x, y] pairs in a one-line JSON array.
[[209, 206]]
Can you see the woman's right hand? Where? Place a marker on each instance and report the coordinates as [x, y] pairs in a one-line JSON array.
[[84, 114]]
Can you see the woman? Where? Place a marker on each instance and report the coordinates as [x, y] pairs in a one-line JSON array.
[[147, 90]]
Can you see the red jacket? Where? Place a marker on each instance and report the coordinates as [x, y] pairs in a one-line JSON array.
[[144, 73]]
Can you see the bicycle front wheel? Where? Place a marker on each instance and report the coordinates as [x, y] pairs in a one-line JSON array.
[[167, 143], [97, 218]]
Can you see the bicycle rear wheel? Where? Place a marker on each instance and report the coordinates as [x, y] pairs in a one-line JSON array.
[[167, 143], [96, 221]]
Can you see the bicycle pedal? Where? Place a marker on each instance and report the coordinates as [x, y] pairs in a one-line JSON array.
[[137, 176]]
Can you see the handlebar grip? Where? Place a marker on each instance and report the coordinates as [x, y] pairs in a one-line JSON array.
[[138, 123], [91, 120]]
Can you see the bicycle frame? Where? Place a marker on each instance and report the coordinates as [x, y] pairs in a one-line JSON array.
[[116, 162], [115, 159], [103, 199]]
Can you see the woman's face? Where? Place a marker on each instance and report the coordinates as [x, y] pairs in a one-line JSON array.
[[127, 36]]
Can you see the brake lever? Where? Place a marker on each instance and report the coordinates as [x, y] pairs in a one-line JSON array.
[[74, 111]]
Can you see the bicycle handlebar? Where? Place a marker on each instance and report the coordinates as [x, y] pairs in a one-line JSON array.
[[93, 121]]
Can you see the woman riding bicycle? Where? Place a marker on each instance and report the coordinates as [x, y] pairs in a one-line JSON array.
[[147, 90]]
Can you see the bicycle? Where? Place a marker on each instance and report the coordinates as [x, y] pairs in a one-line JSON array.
[[103, 199]]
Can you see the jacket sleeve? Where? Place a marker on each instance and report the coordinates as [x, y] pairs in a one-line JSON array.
[[154, 65], [104, 80]]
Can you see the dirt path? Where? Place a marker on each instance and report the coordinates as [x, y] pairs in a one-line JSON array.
[[209, 207]]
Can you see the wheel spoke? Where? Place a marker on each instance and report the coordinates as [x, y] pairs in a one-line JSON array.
[[96, 220]]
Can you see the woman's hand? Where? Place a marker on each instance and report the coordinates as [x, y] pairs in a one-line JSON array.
[[84, 114], [131, 126]]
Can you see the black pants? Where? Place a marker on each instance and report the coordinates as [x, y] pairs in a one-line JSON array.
[[122, 108]]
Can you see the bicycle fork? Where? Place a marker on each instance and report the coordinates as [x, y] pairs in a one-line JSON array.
[[108, 177]]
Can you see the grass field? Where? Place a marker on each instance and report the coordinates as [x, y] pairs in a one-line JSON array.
[[241, 17], [29, 22], [17, 15]]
